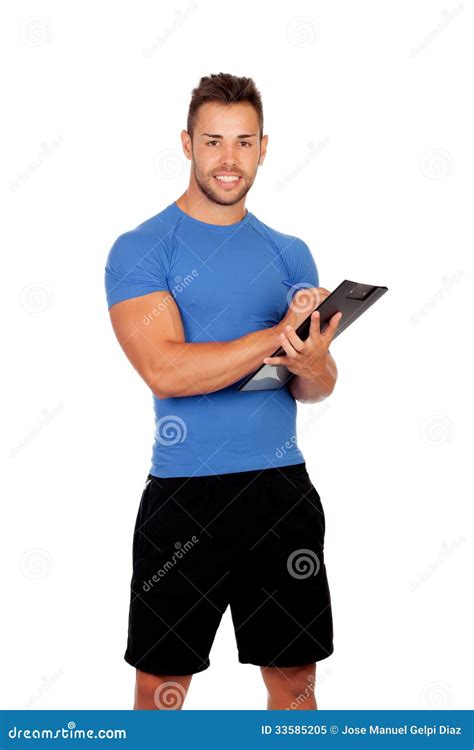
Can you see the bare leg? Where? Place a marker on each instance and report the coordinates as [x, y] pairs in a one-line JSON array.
[[290, 687], [160, 692]]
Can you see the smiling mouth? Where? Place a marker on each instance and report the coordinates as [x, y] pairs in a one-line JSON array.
[[227, 180]]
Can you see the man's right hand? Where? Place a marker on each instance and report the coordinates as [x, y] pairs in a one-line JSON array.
[[302, 304]]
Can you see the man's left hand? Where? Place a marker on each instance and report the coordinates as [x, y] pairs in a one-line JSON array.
[[307, 358]]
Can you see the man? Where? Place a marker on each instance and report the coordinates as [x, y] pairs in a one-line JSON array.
[[199, 296]]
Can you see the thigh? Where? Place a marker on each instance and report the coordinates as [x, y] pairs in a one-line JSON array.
[[179, 587], [281, 604]]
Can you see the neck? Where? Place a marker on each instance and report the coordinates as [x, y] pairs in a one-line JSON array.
[[198, 206]]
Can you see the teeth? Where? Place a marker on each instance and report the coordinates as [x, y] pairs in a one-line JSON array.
[[227, 179]]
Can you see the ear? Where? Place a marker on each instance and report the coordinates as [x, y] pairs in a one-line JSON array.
[[187, 144], [263, 149]]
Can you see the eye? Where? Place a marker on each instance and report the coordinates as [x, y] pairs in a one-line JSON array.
[[209, 142], [247, 142]]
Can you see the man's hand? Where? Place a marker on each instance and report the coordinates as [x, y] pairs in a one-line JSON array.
[[307, 359]]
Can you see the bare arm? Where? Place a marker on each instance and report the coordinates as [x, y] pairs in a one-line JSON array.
[[311, 391], [150, 331]]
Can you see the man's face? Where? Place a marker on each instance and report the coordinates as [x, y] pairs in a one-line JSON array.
[[226, 142]]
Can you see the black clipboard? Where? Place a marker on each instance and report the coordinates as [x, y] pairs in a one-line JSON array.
[[350, 298]]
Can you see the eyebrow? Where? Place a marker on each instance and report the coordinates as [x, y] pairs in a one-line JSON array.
[[216, 135]]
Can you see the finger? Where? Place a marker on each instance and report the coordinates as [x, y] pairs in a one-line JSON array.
[[314, 329], [294, 339], [275, 360], [331, 328], [291, 352]]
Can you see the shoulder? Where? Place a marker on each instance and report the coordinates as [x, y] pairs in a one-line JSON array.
[[286, 242], [295, 254], [146, 241]]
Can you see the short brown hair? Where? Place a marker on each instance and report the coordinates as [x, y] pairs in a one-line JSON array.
[[226, 89]]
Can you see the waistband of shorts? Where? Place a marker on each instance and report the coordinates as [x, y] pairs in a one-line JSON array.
[[271, 472]]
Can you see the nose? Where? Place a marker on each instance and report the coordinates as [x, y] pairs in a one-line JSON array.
[[227, 157]]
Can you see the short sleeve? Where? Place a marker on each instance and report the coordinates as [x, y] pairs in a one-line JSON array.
[[136, 265], [301, 265]]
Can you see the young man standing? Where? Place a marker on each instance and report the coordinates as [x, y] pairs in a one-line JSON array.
[[199, 296]]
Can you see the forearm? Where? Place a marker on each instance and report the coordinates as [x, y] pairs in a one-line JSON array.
[[193, 369], [318, 386]]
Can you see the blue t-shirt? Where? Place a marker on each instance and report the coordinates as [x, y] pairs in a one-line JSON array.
[[226, 282]]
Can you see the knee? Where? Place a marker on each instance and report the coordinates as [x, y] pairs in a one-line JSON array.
[[291, 681], [162, 692]]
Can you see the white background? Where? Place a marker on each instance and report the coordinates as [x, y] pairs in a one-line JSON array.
[[370, 161]]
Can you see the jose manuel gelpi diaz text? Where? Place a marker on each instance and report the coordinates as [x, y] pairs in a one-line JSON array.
[[404, 729]]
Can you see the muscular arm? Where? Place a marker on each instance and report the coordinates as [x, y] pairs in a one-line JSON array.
[[317, 389], [150, 331]]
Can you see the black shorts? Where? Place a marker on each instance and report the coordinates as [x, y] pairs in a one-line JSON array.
[[251, 539]]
